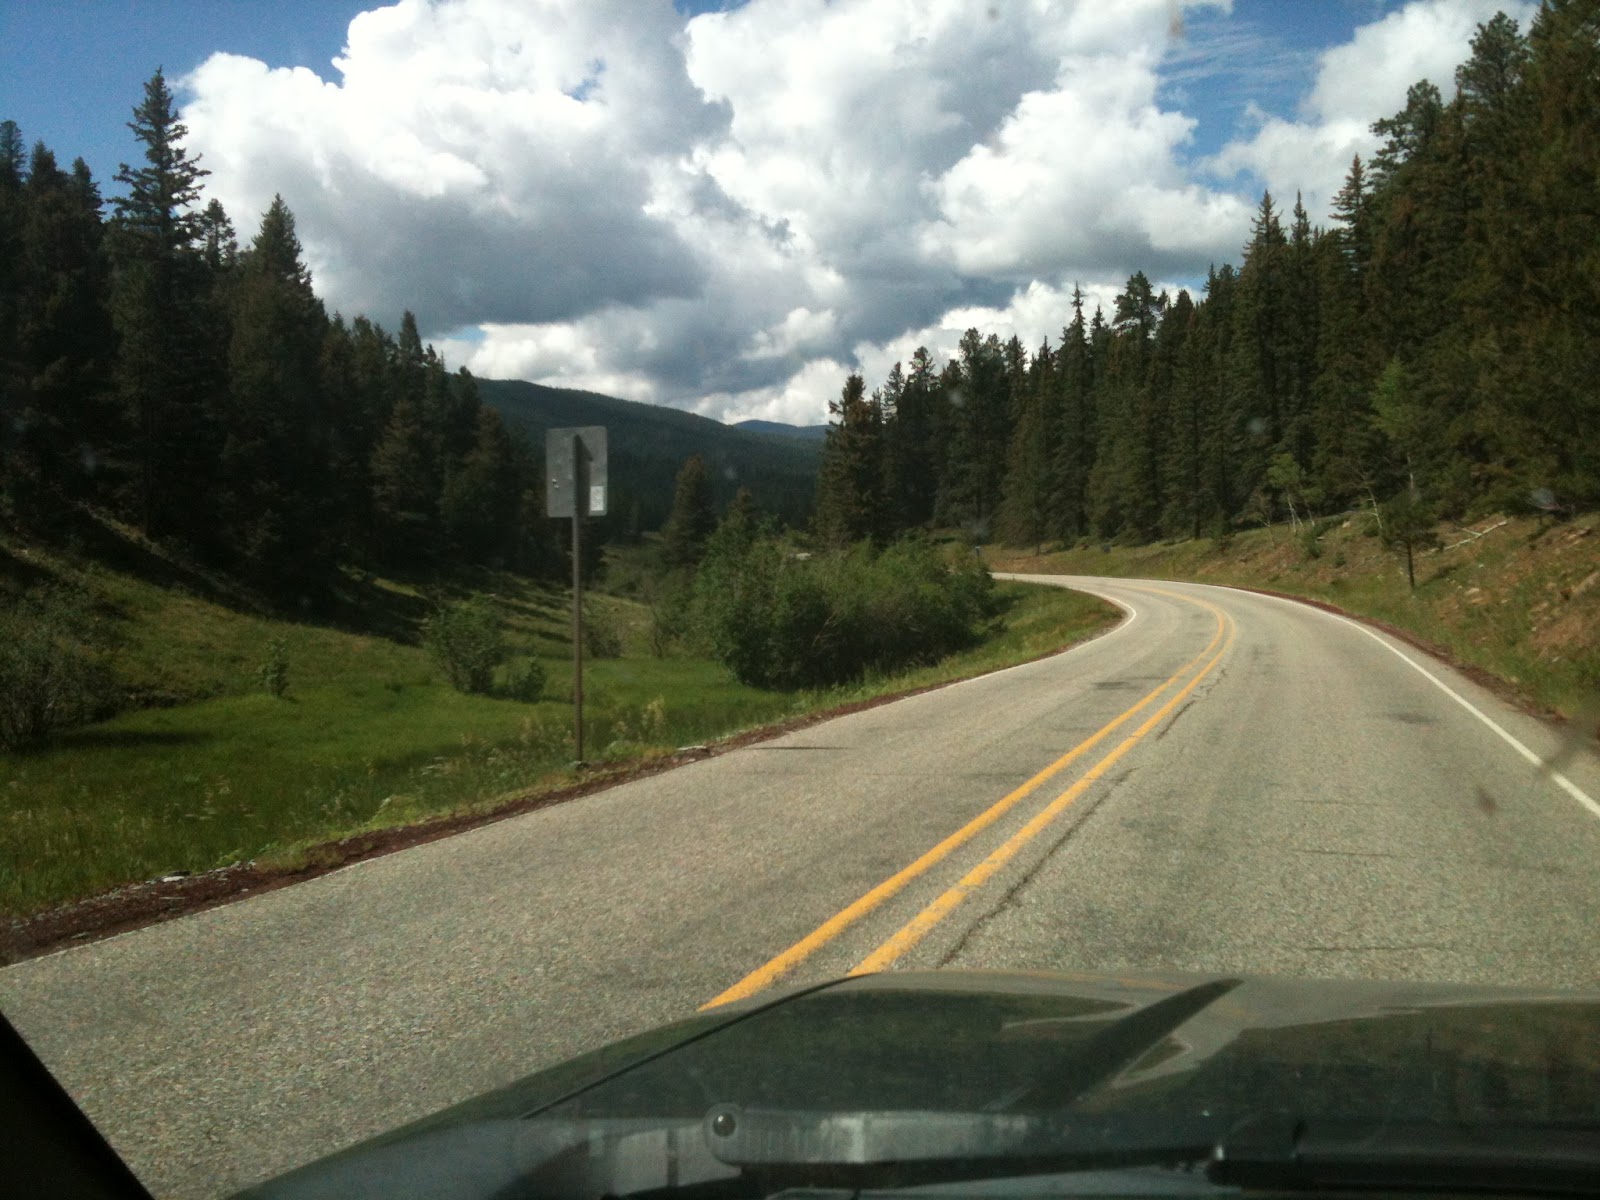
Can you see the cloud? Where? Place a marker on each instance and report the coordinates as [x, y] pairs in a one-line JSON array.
[[727, 213], [478, 161], [1357, 83]]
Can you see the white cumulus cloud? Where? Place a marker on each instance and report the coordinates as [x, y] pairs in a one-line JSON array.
[[1357, 83], [728, 213]]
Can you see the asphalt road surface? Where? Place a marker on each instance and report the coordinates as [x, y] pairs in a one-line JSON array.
[[1224, 782]]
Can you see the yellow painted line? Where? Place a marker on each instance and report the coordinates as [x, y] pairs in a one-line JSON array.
[[770, 972], [919, 926]]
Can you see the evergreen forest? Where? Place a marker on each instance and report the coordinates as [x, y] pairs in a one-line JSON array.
[[1430, 350], [156, 372]]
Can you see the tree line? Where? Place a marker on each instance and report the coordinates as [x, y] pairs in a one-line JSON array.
[[1430, 353], [198, 390]]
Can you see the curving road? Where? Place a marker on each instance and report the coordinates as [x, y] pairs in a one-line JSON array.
[[1224, 782]]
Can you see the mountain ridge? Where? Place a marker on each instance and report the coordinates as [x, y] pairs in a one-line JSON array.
[[648, 443]]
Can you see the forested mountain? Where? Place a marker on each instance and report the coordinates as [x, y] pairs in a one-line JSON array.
[[779, 429], [153, 369], [647, 445], [1433, 351]]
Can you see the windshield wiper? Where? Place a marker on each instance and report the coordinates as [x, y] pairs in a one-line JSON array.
[[734, 1151], [1280, 1152], [858, 1142], [908, 1149]]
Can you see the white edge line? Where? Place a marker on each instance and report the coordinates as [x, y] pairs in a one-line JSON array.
[[1560, 780]]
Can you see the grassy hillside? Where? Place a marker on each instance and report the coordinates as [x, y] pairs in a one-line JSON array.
[[207, 769], [1521, 601], [647, 443]]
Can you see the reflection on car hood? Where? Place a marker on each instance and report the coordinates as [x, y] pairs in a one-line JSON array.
[[1090, 1046]]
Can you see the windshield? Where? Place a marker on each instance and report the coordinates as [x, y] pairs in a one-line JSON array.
[[521, 524]]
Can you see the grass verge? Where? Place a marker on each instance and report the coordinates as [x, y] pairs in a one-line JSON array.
[[369, 738]]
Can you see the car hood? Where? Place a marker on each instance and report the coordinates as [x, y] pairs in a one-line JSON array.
[[1158, 1047]]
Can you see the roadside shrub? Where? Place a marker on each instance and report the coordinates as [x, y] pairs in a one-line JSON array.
[[525, 682], [601, 637], [273, 674], [51, 676], [672, 616], [1310, 540], [778, 619], [631, 733], [466, 641]]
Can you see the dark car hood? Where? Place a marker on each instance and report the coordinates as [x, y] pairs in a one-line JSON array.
[[1166, 1048]]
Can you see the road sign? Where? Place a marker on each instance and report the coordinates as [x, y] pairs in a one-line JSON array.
[[575, 487], [562, 476]]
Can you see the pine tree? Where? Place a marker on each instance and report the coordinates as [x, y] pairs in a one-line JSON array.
[[693, 518], [1352, 208], [277, 507], [911, 432], [1075, 433], [62, 342], [404, 489], [1125, 496], [1408, 135], [1343, 463], [1253, 409], [13, 375], [1024, 515], [850, 497], [978, 433], [1302, 331], [220, 245], [1539, 318], [169, 367], [478, 508]]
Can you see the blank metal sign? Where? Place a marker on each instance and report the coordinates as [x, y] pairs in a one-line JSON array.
[[560, 471]]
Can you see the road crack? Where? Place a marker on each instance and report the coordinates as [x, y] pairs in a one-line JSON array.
[[1011, 897]]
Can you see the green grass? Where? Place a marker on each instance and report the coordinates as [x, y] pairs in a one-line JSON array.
[[369, 735], [1521, 602]]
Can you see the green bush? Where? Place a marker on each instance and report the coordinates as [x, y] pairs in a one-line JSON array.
[[672, 616], [1310, 541], [466, 640], [51, 676], [601, 637], [526, 682], [1221, 535], [273, 674], [780, 619]]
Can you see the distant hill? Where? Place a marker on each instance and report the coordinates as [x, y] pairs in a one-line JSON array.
[[647, 443], [809, 433]]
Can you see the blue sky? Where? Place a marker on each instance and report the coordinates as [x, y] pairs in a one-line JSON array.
[[744, 201]]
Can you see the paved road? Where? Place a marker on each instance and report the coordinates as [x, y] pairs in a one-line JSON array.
[[1224, 782]]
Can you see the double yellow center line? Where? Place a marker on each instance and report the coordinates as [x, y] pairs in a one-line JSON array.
[[916, 929]]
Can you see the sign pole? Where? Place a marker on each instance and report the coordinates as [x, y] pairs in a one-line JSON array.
[[575, 479], [579, 504]]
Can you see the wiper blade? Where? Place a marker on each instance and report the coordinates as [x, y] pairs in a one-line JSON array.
[[904, 1149], [867, 1147], [1285, 1153]]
